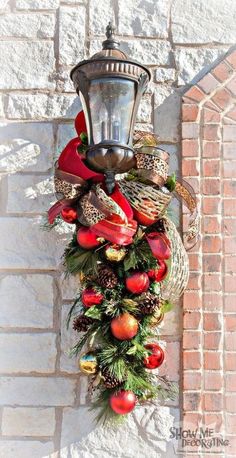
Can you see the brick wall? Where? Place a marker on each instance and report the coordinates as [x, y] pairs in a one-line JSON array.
[[43, 408]]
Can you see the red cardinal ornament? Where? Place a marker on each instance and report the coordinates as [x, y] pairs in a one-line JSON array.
[[123, 402], [156, 358], [137, 283], [87, 239], [124, 327], [159, 244], [69, 215], [159, 273], [91, 297]]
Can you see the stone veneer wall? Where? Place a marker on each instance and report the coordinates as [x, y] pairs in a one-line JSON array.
[[43, 399]]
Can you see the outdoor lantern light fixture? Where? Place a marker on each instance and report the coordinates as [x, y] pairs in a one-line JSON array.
[[110, 86]]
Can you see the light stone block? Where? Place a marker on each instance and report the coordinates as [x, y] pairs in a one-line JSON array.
[[27, 25], [37, 391], [24, 353], [167, 102], [145, 110], [139, 18], [37, 4], [24, 245], [145, 433], [199, 21], [69, 287], [4, 6], [37, 71], [64, 83], [26, 449], [26, 147], [71, 34], [149, 52], [26, 301], [174, 156], [69, 337], [194, 63], [30, 193], [28, 421], [65, 133], [42, 106], [164, 74], [100, 17], [1, 107]]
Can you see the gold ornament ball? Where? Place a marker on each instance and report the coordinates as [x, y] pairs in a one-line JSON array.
[[157, 319], [88, 363], [115, 253]]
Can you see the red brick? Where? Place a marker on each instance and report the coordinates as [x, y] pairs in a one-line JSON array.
[[230, 245], [212, 282], [230, 424], [210, 116], [191, 320], [192, 360], [229, 169], [230, 341], [211, 105], [191, 420], [229, 150], [194, 261], [211, 225], [190, 130], [230, 382], [190, 148], [211, 186], [213, 402], [212, 360], [190, 167], [229, 226], [211, 132], [212, 244], [231, 58], [212, 263], [194, 281], [230, 264], [191, 380], [212, 301], [230, 284], [214, 421], [231, 114], [212, 340], [230, 361], [191, 401], [231, 86], [208, 83], [229, 207], [211, 205], [213, 381], [191, 340], [230, 323], [191, 300], [211, 149], [222, 71], [230, 301], [230, 403], [211, 321], [229, 188], [189, 112], [222, 98], [195, 93], [211, 168]]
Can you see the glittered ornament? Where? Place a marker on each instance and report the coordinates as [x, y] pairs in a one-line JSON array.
[[124, 327], [69, 215], [91, 297], [155, 357], [88, 363], [137, 283], [123, 402], [159, 273], [115, 253], [87, 239]]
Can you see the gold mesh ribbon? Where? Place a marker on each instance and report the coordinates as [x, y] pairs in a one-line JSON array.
[[184, 192]]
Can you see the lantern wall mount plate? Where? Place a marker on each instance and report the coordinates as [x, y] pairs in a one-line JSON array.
[[110, 86]]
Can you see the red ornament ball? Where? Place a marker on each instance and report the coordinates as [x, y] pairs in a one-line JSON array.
[[142, 219], [156, 358], [91, 297], [137, 283], [124, 327], [123, 402], [87, 239], [69, 215], [159, 273]]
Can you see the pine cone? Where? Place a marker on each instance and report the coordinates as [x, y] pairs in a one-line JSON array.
[[81, 323], [106, 277], [109, 380], [149, 303]]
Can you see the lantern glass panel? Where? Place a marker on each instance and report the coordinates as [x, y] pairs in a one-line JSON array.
[[111, 102]]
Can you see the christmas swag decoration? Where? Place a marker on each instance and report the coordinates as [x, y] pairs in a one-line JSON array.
[[126, 251]]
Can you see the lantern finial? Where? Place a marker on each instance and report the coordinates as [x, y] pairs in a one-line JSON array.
[[110, 42], [110, 30]]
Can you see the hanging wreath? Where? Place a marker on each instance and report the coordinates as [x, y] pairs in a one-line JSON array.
[[132, 264]]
